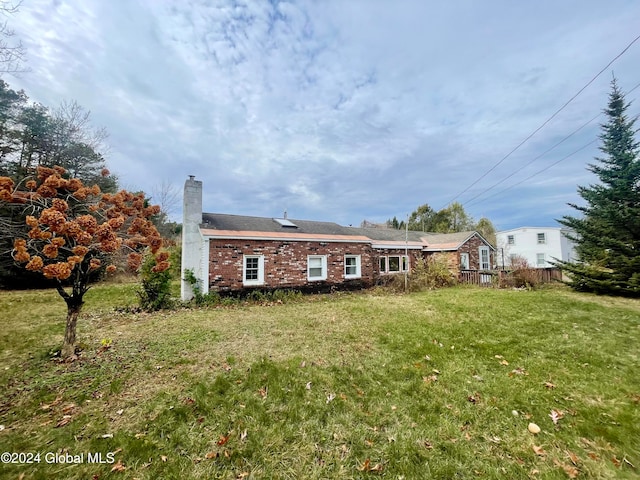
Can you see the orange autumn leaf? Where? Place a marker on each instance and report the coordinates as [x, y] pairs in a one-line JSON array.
[[223, 439]]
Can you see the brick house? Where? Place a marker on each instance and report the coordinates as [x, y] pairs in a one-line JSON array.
[[234, 253]]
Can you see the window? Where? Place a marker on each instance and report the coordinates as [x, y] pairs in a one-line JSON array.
[[542, 238], [464, 261], [511, 240], [383, 264], [253, 270], [317, 267], [352, 266], [394, 264], [484, 258], [540, 261]]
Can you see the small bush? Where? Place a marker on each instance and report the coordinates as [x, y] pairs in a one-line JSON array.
[[155, 291], [426, 274], [522, 275]]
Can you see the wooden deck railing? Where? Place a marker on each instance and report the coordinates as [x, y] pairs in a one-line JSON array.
[[489, 278]]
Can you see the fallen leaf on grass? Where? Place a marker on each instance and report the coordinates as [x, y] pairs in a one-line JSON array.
[[430, 379], [366, 467], [573, 457], [571, 471], [163, 458], [211, 455], [475, 398], [63, 421], [556, 415], [518, 371], [539, 450], [308, 386], [504, 362], [331, 397], [223, 439], [118, 467], [549, 385], [263, 392]]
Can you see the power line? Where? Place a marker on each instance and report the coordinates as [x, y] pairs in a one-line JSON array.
[[538, 172], [531, 161], [536, 158], [548, 120]]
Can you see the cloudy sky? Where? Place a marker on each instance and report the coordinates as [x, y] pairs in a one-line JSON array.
[[340, 110]]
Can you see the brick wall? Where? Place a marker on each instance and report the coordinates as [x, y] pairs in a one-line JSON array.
[[285, 263], [472, 248]]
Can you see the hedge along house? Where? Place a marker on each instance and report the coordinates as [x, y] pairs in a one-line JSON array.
[[230, 253]]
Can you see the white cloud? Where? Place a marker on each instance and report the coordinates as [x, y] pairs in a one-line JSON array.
[[338, 110]]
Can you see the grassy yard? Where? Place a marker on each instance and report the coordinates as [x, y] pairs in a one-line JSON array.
[[439, 384]]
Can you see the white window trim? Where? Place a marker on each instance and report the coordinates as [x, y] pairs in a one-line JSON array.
[[480, 264], [403, 260], [323, 276], [544, 260], [358, 273], [465, 255], [260, 279], [544, 238]]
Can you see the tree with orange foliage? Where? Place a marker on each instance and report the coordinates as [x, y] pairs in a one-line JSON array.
[[72, 230]]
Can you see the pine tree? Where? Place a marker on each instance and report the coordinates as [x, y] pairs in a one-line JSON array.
[[608, 233]]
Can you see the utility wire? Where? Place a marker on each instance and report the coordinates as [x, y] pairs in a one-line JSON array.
[[536, 158], [531, 161], [548, 120], [538, 172]]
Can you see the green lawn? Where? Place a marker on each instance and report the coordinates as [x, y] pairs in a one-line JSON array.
[[438, 384]]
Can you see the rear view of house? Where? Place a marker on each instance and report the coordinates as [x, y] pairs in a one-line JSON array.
[[229, 253]]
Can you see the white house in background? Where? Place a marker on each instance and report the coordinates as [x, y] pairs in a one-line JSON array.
[[538, 245]]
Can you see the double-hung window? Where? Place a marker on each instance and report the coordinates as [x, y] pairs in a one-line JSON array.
[[316, 267], [540, 260], [485, 258], [253, 270], [542, 238], [352, 266], [511, 240]]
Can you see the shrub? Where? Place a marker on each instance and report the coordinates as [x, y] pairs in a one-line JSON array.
[[426, 274], [522, 275], [155, 291]]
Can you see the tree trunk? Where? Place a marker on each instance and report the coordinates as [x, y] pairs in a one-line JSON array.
[[69, 345]]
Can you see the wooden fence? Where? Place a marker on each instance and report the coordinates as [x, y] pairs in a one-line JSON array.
[[498, 278]]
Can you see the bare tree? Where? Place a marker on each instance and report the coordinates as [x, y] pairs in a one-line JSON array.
[[167, 196], [12, 52]]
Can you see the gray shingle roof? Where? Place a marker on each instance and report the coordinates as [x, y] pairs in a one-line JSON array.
[[241, 223], [221, 221]]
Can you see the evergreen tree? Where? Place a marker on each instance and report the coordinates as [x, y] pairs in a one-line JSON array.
[[608, 232]]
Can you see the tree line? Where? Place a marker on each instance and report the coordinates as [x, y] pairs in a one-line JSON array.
[[450, 219]]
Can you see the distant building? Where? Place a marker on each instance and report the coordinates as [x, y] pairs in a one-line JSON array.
[[537, 245]]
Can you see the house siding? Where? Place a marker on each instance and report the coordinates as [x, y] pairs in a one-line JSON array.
[[285, 263], [472, 247]]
